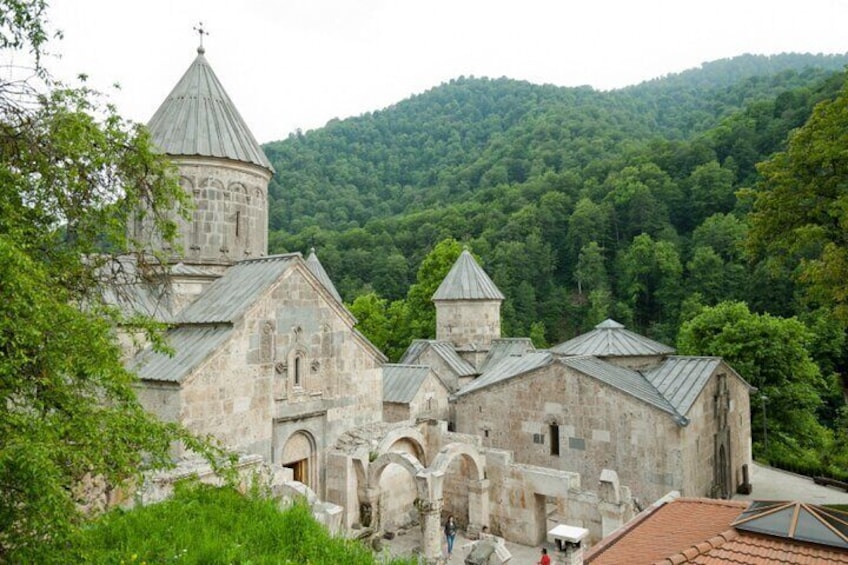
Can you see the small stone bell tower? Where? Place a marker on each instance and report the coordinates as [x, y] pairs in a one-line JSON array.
[[468, 309]]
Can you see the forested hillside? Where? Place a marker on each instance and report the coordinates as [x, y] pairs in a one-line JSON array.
[[703, 209], [579, 203]]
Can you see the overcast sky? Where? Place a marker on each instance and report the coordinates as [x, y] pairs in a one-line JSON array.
[[291, 64]]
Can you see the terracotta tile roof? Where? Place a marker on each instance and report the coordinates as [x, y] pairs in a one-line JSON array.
[[666, 529], [752, 549], [698, 531]]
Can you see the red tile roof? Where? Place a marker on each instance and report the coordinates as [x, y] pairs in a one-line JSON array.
[[753, 549], [698, 531]]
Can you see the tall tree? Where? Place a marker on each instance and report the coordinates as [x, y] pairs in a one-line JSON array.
[[772, 354], [800, 215], [649, 281], [433, 270], [72, 173]]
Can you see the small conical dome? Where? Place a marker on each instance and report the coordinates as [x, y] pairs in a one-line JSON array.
[[199, 119], [467, 281]]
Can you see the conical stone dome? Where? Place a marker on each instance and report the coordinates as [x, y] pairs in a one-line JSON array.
[[199, 119]]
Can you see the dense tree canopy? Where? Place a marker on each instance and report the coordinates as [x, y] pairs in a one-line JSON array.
[[800, 214], [633, 204], [72, 172], [773, 355]]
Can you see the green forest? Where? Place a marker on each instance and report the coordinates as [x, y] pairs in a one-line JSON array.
[[706, 209]]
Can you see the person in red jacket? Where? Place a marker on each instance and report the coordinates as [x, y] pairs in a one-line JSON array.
[[546, 559]]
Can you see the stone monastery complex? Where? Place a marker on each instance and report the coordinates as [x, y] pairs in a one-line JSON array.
[[489, 429]]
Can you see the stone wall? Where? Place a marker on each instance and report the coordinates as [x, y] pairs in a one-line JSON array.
[[230, 218], [598, 427], [293, 366], [701, 435], [431, 400], [468, 322], [527, 501], [396, 412]]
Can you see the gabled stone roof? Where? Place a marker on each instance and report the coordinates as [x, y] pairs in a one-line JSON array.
[[680, 379], [508, 368], [402, 382], [626, 380], [444, 350], [192, 345], [198, 119], [467, 281], [226, 299], [318, 270], [611, 339], [504, 347]]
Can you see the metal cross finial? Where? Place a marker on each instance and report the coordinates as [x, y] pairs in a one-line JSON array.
[[201, 32]]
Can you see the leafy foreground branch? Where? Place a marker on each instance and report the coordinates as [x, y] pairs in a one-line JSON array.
[[72, 173], [203, 524]]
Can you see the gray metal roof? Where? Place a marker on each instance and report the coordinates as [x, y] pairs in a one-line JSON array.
[[611, 339], [626, 380], [444, 350], [191, 344], [192, 270], [681, 379], [318, 270], [226, 299], [199, 119], [402, 382], [506, 347], [467, 281], [124, 286], [508, 368], [458, 365], [414, 351]]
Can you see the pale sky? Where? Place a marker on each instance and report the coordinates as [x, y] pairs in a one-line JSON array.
[[289, 64]]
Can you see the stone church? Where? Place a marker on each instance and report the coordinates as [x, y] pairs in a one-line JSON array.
[[266, 356], [267, 359], [607, 399]]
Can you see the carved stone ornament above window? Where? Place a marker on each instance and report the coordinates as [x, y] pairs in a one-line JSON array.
[[315, 366], [280, 367]]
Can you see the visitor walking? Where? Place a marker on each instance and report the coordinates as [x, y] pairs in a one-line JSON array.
[[450, 533], [545, 560]]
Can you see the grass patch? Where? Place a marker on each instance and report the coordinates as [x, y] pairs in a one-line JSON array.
[[202, 524]]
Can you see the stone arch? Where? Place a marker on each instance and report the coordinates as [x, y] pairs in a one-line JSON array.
[[469, 492], [187, 183], [405, 460], [453, 450], [211, 183], [391, 506], [299, 453], [412, 435]]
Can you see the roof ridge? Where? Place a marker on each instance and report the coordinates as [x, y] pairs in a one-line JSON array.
[[268, 258], [713, 501], [698, 549]]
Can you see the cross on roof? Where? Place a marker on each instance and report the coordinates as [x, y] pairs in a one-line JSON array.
[[201, 32]]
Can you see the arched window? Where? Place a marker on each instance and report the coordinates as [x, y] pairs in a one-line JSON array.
[[554, 430], [298, 376]]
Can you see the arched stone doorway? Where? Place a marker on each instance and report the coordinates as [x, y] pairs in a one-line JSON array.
[[464, 489], [394, 474], [299, 455]]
